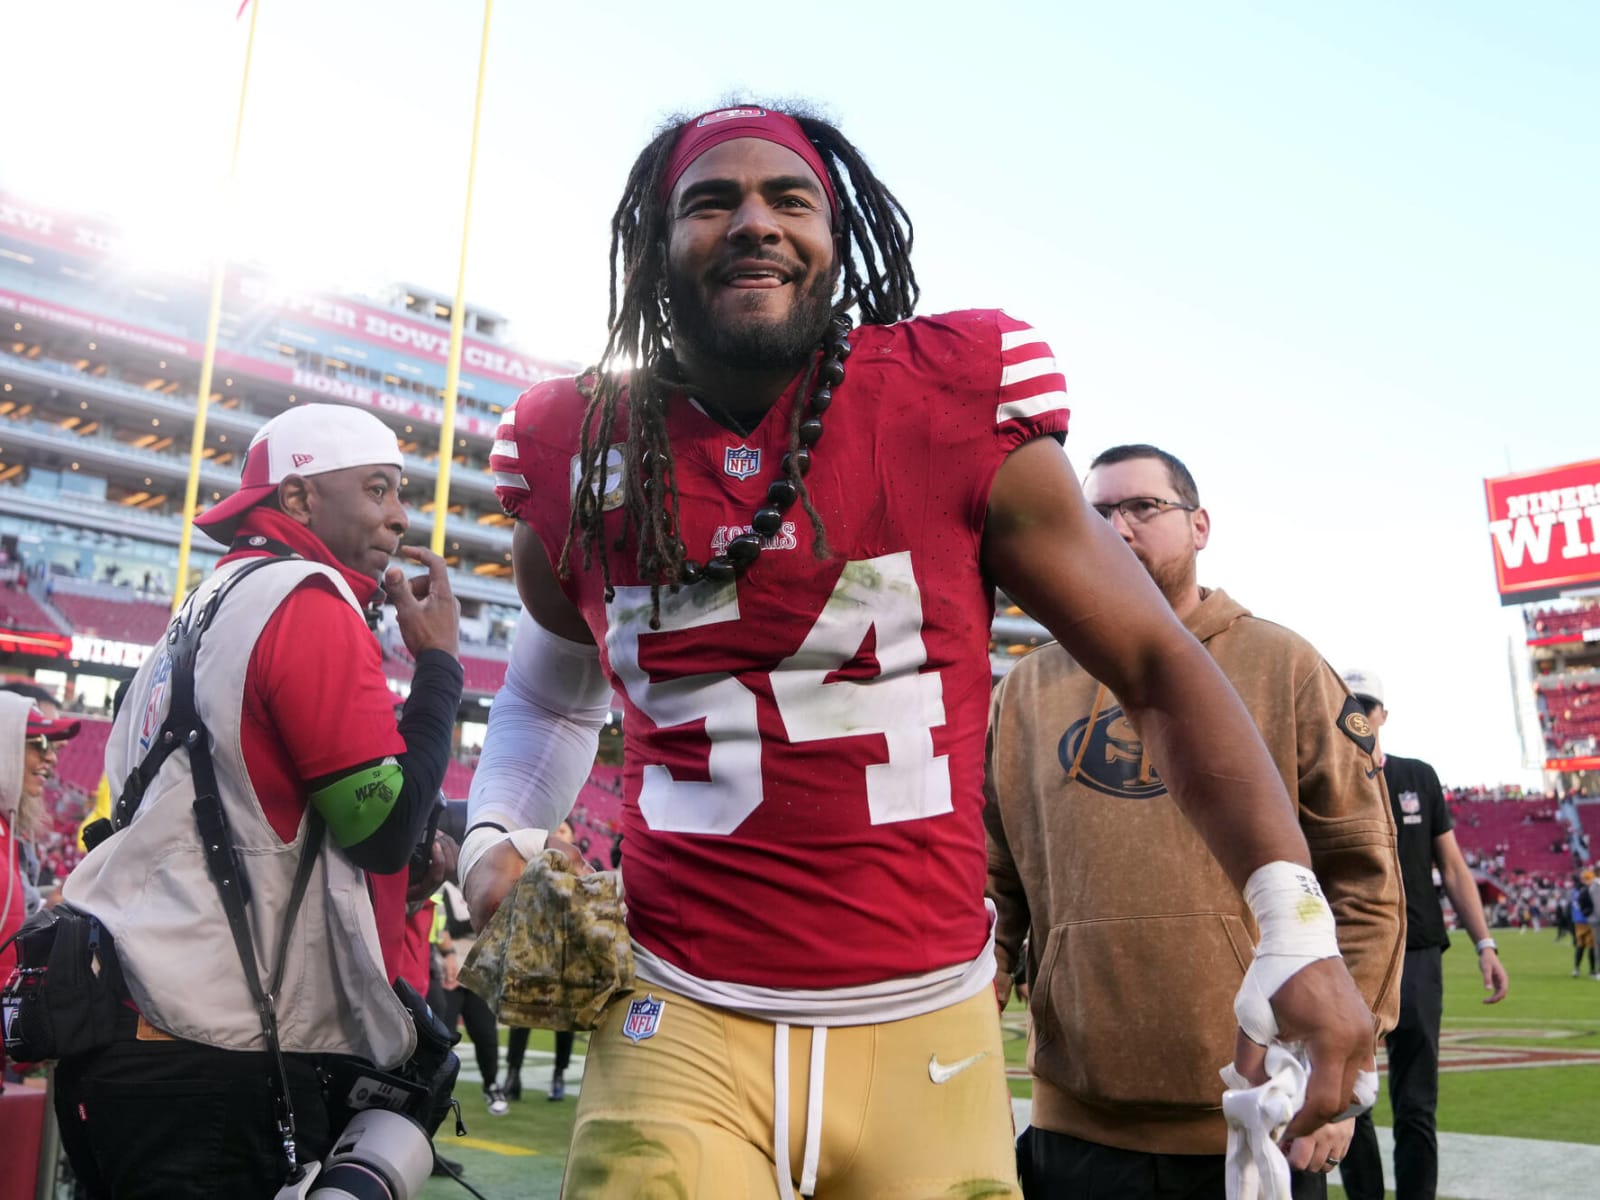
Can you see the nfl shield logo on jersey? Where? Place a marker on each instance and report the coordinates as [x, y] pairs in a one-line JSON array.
[[643, 1019], [150, 725], [1410, 802], [741, 461]]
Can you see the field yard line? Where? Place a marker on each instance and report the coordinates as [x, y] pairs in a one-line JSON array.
[[1475, 1167], [1480, 1065], [1558, 1022], [505, 1148]]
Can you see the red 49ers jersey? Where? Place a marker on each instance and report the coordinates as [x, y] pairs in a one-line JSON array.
[[803, 747]]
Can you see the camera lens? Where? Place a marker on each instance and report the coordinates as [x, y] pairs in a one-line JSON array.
[[381, 1155]]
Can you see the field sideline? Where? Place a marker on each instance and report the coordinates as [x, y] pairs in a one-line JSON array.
[[1495, 1079]]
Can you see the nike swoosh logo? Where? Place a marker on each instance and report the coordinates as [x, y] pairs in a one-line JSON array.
[[1373, 774], [942, 1073]]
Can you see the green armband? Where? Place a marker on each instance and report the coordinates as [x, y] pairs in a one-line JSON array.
[[354, 805]]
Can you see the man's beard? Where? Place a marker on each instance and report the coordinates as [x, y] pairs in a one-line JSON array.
[[1174, 578], [754, 344]]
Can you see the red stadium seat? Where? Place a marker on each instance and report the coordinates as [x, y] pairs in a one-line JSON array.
[[139, 621], [19, 610]]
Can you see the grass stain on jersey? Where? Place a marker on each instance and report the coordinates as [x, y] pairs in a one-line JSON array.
[[861, 576], [606, 1153], [982, 1189]]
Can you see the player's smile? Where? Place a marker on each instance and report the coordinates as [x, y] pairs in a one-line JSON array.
[[755, 273]]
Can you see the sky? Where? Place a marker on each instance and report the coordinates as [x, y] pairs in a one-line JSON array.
[[1341, 259]]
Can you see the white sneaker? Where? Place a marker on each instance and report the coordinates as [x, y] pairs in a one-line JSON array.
[[495, 1097]]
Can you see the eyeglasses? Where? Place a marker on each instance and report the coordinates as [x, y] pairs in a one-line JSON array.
[[40, 743], [1136, 510]]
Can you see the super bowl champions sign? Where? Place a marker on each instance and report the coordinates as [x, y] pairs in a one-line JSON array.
[[1544, 528]]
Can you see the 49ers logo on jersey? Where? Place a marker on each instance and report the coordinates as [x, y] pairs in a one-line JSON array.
[[784, 539], [1109, 757]]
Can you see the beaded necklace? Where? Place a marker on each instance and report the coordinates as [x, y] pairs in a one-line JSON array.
[[782, 492]]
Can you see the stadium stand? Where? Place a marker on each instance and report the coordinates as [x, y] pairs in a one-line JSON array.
[[483, 674], [1554, 622], [99, 614], [457, 781], [69, 796], [81, 761], [19, 610], [1514, 834], [1570, 713]]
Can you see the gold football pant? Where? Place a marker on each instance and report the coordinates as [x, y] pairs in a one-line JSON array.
[[906, 1110]]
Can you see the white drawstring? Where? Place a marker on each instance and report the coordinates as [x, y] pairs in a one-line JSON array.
[[813, 1150], [780, 1109]]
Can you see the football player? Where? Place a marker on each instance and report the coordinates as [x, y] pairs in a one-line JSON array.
[[778, 538]]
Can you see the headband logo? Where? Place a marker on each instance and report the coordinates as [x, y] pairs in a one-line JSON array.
[[729, 114]]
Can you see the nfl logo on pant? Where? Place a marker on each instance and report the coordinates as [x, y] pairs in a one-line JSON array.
[[643, 1019]]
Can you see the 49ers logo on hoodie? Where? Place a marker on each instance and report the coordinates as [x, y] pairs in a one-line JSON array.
[[1109, 757]]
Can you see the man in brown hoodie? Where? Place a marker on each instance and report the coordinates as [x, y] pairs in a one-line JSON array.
[[1136, 941]]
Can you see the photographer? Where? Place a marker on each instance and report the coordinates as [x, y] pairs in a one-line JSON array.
[[307, 755]]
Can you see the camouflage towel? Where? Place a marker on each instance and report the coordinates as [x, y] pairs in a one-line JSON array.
[[556, 952]]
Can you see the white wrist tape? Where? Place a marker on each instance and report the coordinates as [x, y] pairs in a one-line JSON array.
[[1296, 929], [526, 842]]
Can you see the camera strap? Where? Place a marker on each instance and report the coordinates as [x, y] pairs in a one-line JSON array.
[[227, 872]]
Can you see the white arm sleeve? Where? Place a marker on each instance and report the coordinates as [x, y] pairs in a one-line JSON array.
[[543, 728]]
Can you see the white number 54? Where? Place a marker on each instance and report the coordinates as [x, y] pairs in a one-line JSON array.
[[901, 703]]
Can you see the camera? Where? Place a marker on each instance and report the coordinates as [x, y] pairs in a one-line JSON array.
[[381, 1155], [384, 1150]]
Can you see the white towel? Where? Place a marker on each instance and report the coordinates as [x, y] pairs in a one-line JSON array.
[[1257, 1116]]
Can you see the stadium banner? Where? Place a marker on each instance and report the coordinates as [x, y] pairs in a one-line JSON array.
[[97, 326], [1584, 762], [1544, 531], [324, 386], [41, 226], [31, 223], [332, 387], [42, 643], [392, 331]]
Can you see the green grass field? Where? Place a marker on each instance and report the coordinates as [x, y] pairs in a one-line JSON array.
[[521, 1155]]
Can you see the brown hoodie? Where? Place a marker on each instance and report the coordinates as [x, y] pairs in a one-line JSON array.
[[1137, 941]]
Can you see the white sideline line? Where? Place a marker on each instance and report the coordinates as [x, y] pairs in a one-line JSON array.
[[1478, 1167]]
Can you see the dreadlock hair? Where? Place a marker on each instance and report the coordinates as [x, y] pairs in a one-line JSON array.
[[873, 247]]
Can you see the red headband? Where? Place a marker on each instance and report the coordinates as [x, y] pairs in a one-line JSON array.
[[725, 124]]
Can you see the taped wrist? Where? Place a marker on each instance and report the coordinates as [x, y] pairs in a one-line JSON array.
[[481, 838], [1296, 929]]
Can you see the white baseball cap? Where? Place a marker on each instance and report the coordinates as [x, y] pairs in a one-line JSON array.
[[311, 439], [1362, 682]]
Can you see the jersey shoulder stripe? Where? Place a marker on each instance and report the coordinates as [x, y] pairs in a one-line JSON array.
[[1031, 384], [544, 417]]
